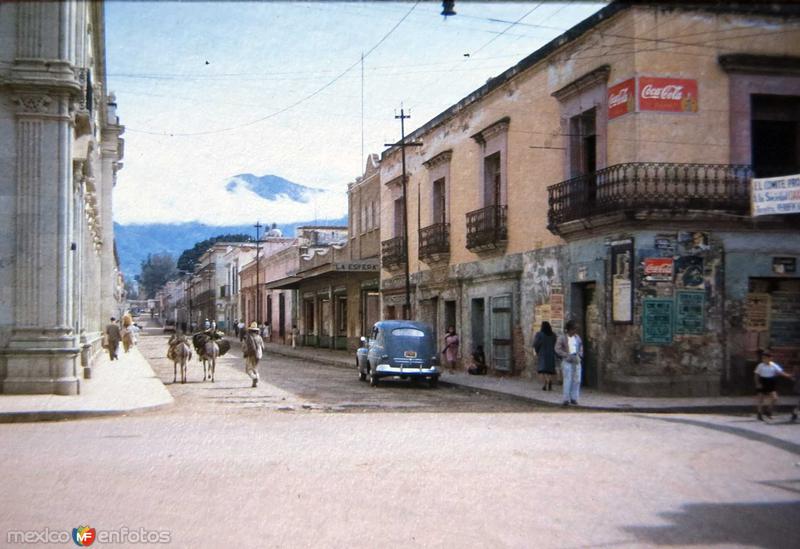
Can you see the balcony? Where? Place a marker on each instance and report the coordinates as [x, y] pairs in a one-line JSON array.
[[393, 252], [641, 189], [434, 242], [487, 228]]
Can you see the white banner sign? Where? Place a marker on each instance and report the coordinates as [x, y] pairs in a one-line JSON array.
[[776, 195]]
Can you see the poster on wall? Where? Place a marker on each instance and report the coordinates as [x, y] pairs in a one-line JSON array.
[[557, 309], [657, 320], [689, 272], [622, 98], [775, 195], [667, 94], [622, 281], [690, 312], [756, 318], [658, 269]]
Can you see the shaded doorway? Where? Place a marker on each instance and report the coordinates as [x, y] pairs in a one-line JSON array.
[[586, 313]]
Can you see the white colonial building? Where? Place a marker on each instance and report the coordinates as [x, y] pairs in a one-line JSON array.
[[60, 149]]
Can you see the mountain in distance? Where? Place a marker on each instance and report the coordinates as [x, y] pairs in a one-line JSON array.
[[272, 187], [136, 241]]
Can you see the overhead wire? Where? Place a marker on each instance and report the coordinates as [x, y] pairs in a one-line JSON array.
[[296, 103]]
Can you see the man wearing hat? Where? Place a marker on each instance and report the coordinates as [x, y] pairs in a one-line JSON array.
[[253, 348], [766, 376]]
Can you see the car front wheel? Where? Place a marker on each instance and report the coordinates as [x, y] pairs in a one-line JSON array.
[[433, 382], [373, 379]]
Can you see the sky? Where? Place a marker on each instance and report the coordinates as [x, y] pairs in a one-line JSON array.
[[208, 91]]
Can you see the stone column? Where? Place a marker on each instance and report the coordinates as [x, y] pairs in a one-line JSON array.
[[41, 356]]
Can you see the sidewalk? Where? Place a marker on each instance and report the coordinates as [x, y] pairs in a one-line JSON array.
[[120, 387], [531, 390]]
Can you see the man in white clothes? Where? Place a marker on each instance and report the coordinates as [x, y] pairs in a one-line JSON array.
[[766, 375], [252, 349], [569, 348]]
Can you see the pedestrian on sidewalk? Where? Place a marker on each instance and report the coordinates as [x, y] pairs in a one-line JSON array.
[[450, 351], [478, 367], [544, 343], [113, 337], [569, 348], [295, 334], [242, 332], [253, 350], [766, 375]]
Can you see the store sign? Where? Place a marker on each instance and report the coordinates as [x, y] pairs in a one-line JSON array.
[[776, 195], [622, 98], [357, 266], [667, 94], [658, 269]]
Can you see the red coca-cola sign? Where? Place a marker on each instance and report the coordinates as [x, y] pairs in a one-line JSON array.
[[622, 98], [667, 94]]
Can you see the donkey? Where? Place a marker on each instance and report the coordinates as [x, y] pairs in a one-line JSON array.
[[209, 358], [181, 354]]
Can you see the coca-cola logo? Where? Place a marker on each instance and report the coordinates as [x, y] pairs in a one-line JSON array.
[[670, 91], [659, 269], [618, 98]]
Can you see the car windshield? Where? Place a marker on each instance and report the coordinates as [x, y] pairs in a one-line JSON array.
[[408, 332]]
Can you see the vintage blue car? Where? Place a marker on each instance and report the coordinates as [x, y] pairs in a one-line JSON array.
[[399, 348]]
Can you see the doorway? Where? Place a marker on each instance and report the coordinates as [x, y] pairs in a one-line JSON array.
[[586, 311], [477, 320]]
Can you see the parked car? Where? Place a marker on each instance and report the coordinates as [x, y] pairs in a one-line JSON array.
[[398, 348], [169, 325]]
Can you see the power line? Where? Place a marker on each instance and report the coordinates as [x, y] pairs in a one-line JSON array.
[[296, 103]]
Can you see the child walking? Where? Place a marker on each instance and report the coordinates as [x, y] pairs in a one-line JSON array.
[[766, 376]]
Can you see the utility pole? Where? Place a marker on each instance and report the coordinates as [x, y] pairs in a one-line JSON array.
[[258, 268], [402, 116]]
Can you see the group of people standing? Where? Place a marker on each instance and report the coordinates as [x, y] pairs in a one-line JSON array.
[[568, 347]]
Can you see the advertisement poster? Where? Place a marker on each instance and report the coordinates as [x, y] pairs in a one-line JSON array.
[[658, 269], [690, 312], [622, 281], [775, 195], [622, 98], [667, 94], [689, 272], [657, 321], [756, 317]]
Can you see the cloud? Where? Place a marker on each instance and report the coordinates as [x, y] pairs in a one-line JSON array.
[[215, 205]]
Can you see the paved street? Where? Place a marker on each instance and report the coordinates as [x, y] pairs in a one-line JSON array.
[[314, 458], [295, 385]]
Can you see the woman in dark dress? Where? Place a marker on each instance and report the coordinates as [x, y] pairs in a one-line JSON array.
[[544, 343]]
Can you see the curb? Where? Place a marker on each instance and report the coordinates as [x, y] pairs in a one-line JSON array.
[[32, 417], [711, 408]]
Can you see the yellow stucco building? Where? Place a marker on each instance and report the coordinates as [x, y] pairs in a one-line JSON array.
[[606, 179]]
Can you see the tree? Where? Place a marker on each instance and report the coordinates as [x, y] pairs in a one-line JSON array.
[[188, 259], [156, 271], [131, 289]]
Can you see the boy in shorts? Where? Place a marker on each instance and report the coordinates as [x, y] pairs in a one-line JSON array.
[[766, 375]]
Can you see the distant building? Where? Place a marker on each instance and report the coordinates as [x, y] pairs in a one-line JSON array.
[[60, 149]]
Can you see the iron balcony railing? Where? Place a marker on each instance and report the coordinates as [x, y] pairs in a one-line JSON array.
[[642, 186], [434, 240], [488, 227], [393, 251]]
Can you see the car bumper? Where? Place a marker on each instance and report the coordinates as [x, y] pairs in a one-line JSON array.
[[387, 370]]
